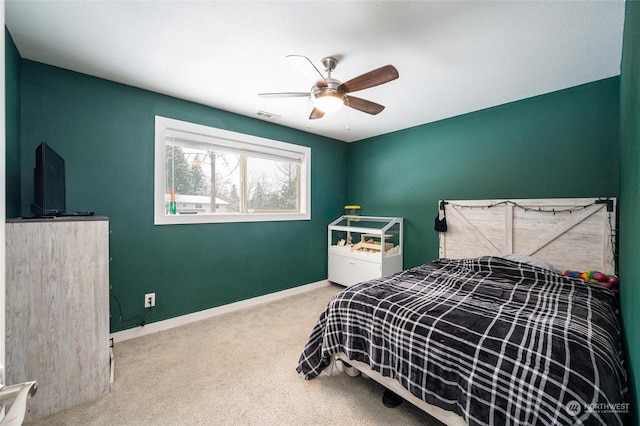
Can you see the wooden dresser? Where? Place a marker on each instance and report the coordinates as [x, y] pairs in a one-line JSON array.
[[57, 310]]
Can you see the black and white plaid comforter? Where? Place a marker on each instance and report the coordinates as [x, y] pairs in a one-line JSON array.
[[495, 341]]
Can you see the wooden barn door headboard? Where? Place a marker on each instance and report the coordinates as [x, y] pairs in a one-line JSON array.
[[570, 233]]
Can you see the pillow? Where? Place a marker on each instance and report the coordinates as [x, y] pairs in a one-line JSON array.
[[523, 258]]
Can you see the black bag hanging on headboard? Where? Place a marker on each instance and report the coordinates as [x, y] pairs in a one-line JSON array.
[[441, 224]]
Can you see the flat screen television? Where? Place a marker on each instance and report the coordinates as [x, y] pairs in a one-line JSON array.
[[48, 183]]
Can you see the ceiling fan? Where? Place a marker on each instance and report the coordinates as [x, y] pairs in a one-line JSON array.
[[329, 94]]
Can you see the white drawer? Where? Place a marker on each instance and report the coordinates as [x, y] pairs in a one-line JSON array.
[[348, 271]]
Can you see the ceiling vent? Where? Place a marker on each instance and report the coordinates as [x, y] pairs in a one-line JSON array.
[[268, 115]]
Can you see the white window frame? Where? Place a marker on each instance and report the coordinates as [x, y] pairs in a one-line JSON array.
[[168, 127]]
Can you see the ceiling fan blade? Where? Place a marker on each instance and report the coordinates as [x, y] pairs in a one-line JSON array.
[[285, 95], [364, 105], [371, 79], [307, 69], [316, 113]]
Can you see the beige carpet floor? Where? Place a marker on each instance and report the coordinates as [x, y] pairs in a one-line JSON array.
[[235, 369]]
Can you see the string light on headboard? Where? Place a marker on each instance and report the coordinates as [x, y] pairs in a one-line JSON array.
[[607, 201]]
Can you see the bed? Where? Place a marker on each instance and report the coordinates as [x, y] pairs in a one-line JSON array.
[[495, 339]]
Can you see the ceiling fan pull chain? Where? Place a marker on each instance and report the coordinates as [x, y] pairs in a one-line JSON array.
[[348, 114]]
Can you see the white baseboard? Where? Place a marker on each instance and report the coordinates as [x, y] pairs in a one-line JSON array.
[[154, 327]]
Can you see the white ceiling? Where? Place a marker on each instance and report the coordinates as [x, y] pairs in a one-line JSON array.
[[453, 57]]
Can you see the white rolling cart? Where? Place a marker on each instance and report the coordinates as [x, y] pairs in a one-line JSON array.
[[361, 248]]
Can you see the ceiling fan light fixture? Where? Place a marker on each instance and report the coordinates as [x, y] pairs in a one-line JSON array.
[[328, 102], [329, 98]]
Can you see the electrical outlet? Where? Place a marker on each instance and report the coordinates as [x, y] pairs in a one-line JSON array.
[[149, 300]]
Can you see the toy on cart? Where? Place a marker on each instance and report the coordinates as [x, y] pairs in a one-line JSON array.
[[372, 242]]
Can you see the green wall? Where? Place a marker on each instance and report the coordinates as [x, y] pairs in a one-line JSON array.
[[105, 132], [563, 144], [12, 132], [629, 238]]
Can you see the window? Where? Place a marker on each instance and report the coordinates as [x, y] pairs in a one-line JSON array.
[[208, 175]]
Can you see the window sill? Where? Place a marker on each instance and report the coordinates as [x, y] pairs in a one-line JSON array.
[[183, 219]]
